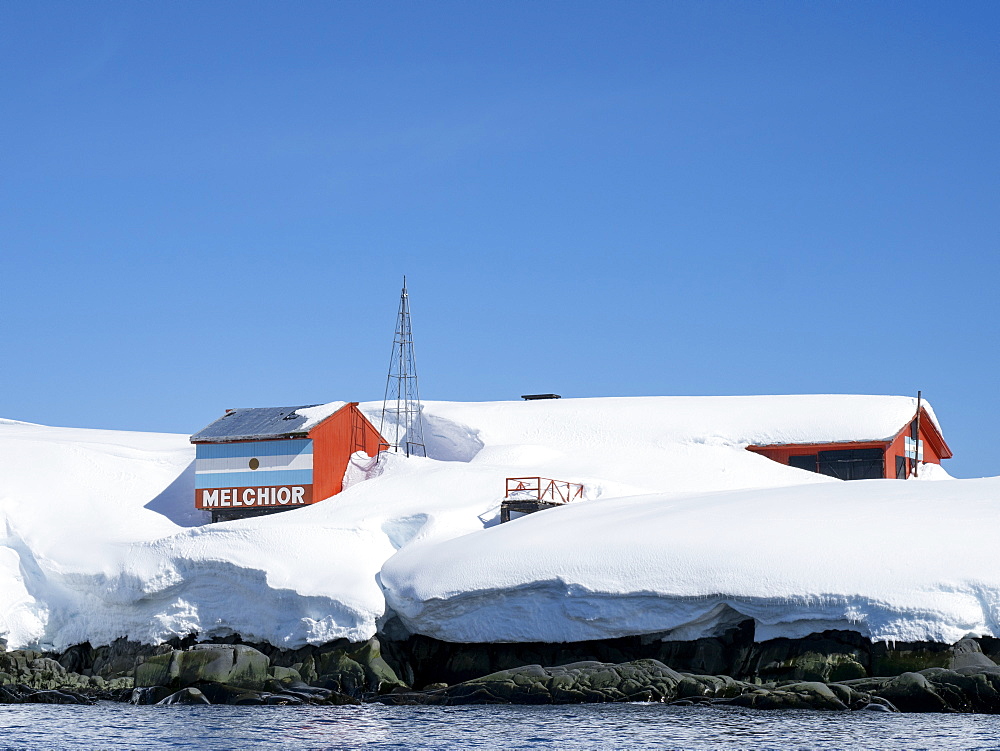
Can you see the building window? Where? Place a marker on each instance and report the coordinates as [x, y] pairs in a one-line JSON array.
[[852, 464], [809, 461]]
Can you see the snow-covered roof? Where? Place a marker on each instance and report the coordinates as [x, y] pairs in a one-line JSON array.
[[256, 423], [728, 420]]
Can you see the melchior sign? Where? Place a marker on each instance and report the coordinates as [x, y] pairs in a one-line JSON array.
[[281, 495]]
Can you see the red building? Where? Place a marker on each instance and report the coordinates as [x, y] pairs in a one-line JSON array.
[[262, 460], [867, 457]]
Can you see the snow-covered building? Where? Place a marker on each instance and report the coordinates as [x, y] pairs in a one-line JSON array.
[[265, 459], [886, 444]]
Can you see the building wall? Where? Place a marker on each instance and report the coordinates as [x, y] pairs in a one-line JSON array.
[[254, 474], [782, 454], [896, 447], [276, 462], [334, 440]]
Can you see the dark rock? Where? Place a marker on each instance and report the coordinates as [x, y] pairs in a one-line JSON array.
[[968, 654], [149, 694], [298, 687], [990, 645], [358, 671], [424, 660], [283, 699], [641, 680], [250, 698], [379, 676], [118, 659], [48, 673], [336, 699], [410, 698], [919, 676], [717, 686], [22, 694], [307, 670], [651, 680], [904, 657], [280, 673], [238, 665], [338, 672], [119, 694], [277, 694], [810, 665], [56, 697], [829, 657], [189, 695], [806, 695], [221, 693], [10, 695], [78, 658], [912, 692], [312, 694], [968, 689]]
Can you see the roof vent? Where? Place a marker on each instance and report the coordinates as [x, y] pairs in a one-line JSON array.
[[532, 397]]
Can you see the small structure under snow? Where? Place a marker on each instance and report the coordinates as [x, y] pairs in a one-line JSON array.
[[265, 459], [867, 452], [526, 495]]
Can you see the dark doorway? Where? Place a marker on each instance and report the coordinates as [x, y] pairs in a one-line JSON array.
[[852, 464], [900, 467]]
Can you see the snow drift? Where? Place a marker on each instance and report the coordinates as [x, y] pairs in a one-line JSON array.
[[893, 560], [682, 532]]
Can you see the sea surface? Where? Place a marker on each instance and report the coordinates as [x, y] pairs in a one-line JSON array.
[[583, 726]]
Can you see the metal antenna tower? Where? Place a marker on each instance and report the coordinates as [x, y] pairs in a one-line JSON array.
[[401, 407]]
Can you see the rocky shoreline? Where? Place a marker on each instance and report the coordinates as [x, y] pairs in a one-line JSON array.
[[835, 670]]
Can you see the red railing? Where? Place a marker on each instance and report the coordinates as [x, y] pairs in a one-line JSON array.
[[543, 489]]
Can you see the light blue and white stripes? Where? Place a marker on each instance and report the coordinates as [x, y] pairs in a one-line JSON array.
[[254, 463]]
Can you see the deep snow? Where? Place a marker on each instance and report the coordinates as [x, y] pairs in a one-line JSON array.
[[894, 560], [682, 532]]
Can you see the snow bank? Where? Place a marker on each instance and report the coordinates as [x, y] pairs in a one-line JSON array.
[[96, 546], [70, 499], [102, 540], [892, 560]]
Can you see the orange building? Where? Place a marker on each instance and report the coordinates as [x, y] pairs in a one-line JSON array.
[[867, 457], [262, 460]]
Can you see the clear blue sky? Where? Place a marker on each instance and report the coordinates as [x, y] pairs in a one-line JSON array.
[[210, 205]]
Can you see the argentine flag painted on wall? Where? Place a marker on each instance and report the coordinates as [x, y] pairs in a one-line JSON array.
[[254, 464]]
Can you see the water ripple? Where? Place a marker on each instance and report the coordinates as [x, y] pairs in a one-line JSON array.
[[587, 727]]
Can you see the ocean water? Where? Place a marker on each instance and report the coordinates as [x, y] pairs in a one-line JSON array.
[[584, 726]]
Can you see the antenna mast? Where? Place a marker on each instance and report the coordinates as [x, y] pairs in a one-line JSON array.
[[401, 406]]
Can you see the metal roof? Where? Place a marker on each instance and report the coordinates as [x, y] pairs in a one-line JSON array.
[[254, 423]]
